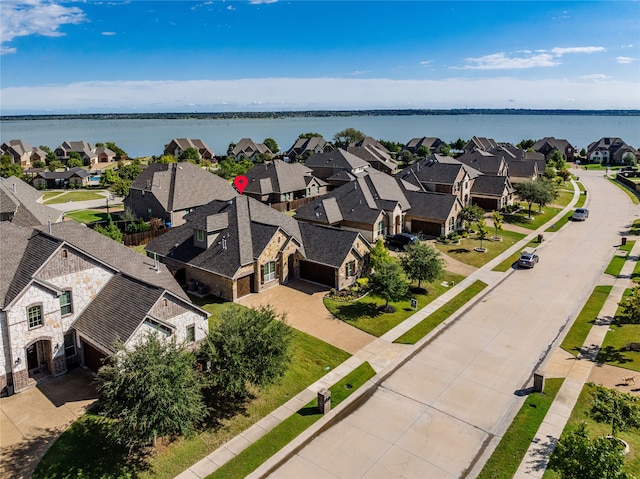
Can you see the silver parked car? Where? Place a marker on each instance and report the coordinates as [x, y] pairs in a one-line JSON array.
[[528, 259], [580, 214]]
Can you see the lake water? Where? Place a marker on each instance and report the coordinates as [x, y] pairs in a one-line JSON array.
[[148, 137]]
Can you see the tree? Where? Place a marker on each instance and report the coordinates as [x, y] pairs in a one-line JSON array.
[[630, 308], [577, 456], [8, 168], [621, 410], [406, 157], [557, 160], [459, 144], [470, 214], [190, 154], [230, 168], [546, 193], [388, 282], [271, 144], [497, 221], [539, 192], [629, 159], [379, 254], [482, 230], [51, 156], [120, 153], [422, 262], [423, 151], [55, 165], [247, 346], [120, 187], [74, 162], [343, 138], [308, 135], [129, 172], [110, 231], [151, 390], [392, 146], [526, 144], [564, 174], [165, 159]]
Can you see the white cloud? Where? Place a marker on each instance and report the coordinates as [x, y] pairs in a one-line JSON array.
[[625, 59], [426, 62], [231, 7], [596, 76], [500, 61], [108, 34], [269, 94], [19, 18], [558, 51], [258, 2]]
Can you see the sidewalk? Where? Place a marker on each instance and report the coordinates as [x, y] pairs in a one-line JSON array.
[[536, 459], [383, 354]]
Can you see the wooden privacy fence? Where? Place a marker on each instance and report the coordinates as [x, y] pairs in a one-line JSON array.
[[136, 239], [293, 204]]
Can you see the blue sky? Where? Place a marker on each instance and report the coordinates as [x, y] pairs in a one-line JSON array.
[[155, 56]]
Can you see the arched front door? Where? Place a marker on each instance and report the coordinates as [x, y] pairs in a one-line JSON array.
[[38, 357]]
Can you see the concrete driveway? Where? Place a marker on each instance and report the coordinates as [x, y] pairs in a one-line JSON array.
[[32, 420], [302, 303], [435, 415]]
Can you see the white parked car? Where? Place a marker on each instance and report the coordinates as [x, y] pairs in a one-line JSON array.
[[580, 214]]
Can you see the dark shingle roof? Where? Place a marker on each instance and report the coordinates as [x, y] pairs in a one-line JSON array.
[[337, 159], [63, 175], [21, 199], [491, 185], [431, 206], [117, 310], [277, 177], [326, 245], [522, 169]]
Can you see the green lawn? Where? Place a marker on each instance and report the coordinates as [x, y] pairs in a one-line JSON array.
[[84, 451], [506, 458], [87, 216], [75, 195], [617, 262], [581, 326], [560, 223], [613, 350], [631, 194], [635, 228], [564, 197], [538, 218], [635, 276], [581, 414], [365, 315], [465, 252], [428, 324], [257, 453]]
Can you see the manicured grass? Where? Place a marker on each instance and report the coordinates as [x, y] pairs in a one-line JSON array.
[[265, 447], [564, 197], [538, 218], [505, 460], [560, 223], [77, 195], [50, 194], [581, 414], [635, 276], [617, 262], [365, 315], [581, 326], [87, 216], [631, 194], [465, 252], [635, 228], [508, 263], [84, 451], [428, 324], [613, 350]]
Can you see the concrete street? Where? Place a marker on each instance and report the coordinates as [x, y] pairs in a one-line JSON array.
[[434, 415]]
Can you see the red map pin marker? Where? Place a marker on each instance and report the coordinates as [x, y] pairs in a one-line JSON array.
[[241, 183]]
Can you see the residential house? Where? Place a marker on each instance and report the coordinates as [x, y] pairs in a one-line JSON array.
[[432, 214], [247, 149], [520, 171], [484, 162], [233, 248], [374, 153], [22, 153], [279, 181], [492, 192], [169, 191], [548, 145], [177, 146], [303, 148], [336, 167], [435, 145], [480, 144], [610, 151], [21, 204], [89, 154], [61, 179], [69, 293]]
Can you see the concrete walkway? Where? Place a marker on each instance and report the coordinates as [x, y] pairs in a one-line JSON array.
[[382, 353], [579, 371]]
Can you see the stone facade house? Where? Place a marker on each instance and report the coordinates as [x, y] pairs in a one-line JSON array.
[[548, 145], [337, 167], [22, 153], [89, 154], [279, 181], [303, 148], [376, 155], [432, 214], [247, 149], [60, 179], [69, 293], [485, 162], [177, 146], [21, 204], [233, 248], [610, 151], [169, 191], [480, 144], [435, 145], [492, 192]]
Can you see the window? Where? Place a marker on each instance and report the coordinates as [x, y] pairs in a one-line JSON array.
[[65, 303], [200, 235], [34, 314], [381, 228], [69, 345], [191, 333], [65, 253], [351, 268], [269, 271], [452, 224]]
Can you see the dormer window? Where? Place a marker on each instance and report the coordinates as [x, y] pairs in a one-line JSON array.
[[200, 235]]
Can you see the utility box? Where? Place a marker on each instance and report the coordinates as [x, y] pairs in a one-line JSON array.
[[538, 382], [324, 401], [624, 240]]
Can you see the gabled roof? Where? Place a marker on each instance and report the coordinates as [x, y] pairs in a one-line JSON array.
[[185, 143], [371, 154], [484, 162], [369, 141], [250, 226], [430, 142], [248, 147], [432, 206], [488, 185], [178, 186], [480, 143], [430, 170], [20, 148], [117, 310], [553, 143], [327, 245], [278, 177], [66, 174], [303, 145], [522, 169], [22, 200], [78, 146], [338, 159]]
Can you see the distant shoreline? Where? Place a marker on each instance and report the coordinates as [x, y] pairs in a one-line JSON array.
[[313, 113]]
